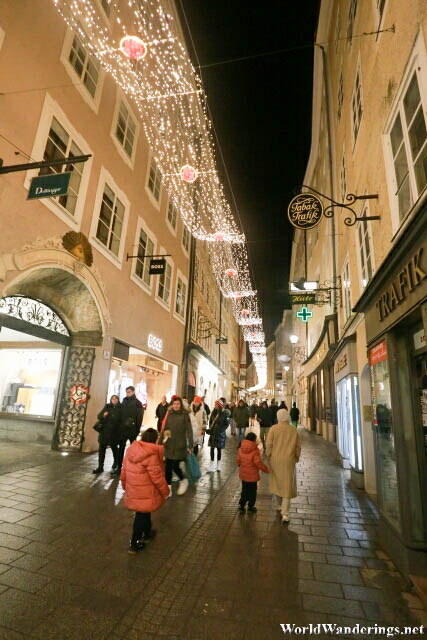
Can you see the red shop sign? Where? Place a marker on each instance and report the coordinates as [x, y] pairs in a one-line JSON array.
[[378, 353]]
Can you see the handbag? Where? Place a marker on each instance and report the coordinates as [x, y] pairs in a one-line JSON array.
[[193, 469], [98, 426]]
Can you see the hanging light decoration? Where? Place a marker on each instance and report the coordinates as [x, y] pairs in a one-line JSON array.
[[231, 272], [133, 47], [188, 174]]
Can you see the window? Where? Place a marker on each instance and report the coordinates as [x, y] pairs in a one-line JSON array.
[[181, 296], [365, 250], [194, 323], [110, 223], [340, 95], [164, 284], [196, 269], [142, 266], [351, 18], [60, 145], [185, 238], [86, 66], [154, 180], [172, 215], [125, 129], [106, 5], [337, 29], [343, 178], [408, 139], [357, 105], [380, 8], [346, 291]]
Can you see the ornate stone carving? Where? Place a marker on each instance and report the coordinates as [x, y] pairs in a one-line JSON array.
[[43, 243], [34, 312]]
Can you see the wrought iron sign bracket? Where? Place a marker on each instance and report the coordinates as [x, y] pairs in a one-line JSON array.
[[351, 199], [144, 257]]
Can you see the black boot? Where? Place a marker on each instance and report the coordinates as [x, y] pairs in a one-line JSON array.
[[98, 470], [135, 547]]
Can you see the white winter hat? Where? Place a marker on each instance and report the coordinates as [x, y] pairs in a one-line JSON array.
[[283, 415]]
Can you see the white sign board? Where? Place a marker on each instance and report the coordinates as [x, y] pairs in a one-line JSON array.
[[154, 343]]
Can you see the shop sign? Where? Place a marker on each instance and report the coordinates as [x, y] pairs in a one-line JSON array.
[[341, 363], [279, 375], [408, 279], [305, 211], [221, 341], [419, 339], [304, 314], [157, 267], [49, 186], [154, 343], [378, 353], [303, 298]]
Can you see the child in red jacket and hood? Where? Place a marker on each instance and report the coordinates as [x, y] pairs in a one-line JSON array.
[[143, 479], [249, 461]]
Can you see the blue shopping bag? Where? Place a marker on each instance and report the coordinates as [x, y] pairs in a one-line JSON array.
[[193, 469]]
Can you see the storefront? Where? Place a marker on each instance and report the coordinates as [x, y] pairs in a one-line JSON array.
[[349, 436], [395, 308], [318, 370], [205, 377], [151, 376]]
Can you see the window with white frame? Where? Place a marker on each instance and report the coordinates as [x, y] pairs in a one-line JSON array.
[[194, 323], [185, 238], [172, 215], [352, 9], [86, 66], [365, 250], [380, 8], [357, 105], [126, 129], [346, 291], [154, 180], [408, 139], [181, 296], [142, 264], [110, 221], [196, 269], [343, 177], [106, 5], [340, 95], [61, 145], [164, 284]]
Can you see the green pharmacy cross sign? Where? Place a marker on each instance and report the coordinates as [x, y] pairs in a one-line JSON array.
[[304, 314]]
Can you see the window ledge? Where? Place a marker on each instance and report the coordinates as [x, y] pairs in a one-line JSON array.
[[105, 252], [26, 416], [162, 303], [179, 318], [122, 152], [154, 202]]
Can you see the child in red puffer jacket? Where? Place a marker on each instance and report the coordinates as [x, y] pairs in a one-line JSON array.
[[146, 490], [249, 461]]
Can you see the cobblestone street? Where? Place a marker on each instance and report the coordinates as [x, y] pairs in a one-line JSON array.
[[211, 572]]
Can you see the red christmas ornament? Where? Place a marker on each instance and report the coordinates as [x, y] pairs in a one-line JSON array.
[[219, 236], [245, 312], [231, 272], [188, 173], [133, 47]]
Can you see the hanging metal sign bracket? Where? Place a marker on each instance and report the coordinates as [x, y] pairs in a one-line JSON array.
[[44, 163], [351, 198]]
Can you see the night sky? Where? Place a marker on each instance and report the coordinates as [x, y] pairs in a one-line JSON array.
[[261, 109]]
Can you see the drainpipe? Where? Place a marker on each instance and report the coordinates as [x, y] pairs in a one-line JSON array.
[[334, 296]]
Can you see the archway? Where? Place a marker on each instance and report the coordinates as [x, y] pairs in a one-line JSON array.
[[65, 294]]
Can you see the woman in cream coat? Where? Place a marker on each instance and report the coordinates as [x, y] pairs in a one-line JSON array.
[[283, 452]]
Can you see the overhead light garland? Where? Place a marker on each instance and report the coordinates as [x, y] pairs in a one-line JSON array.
[[142, 50]]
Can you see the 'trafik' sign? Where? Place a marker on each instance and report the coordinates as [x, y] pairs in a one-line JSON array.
[[305, 211]]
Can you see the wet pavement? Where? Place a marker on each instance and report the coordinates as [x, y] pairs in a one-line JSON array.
[[211, 572]]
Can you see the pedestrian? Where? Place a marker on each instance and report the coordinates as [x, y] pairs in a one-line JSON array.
[[283, 452], [294, 415], [283, 405], [217, 433], [108, 430], [144, 484], [252, 413], [177, 437], [241, 417], [161, 410], [265, 419], [231, 406], [132, 412], [249, 461], [198, 422], [274, 409]]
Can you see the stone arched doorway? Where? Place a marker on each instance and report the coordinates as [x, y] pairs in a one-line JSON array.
[[67, 294]]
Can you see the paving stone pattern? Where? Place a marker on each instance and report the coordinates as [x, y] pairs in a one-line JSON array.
[[211, 572]]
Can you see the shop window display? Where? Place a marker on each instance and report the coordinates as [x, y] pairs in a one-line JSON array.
[[384, 435], [348, 414]]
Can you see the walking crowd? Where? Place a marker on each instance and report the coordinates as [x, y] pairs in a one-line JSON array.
[[155, 455]]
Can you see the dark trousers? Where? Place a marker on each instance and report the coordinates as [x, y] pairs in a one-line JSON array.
[[196, 449], [121, 446], [173, 465], [248, 494], [141, 526], [101, 454], [218, 456]]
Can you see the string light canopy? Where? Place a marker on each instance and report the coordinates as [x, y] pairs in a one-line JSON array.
[[142, 50]]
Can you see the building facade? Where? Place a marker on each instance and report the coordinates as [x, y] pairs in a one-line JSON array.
[[361, 362]]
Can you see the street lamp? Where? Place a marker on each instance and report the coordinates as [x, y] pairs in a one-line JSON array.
[[294, 339]]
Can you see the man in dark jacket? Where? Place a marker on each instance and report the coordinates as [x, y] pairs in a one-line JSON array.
[[132, 413], [274, 407], [265, 419], [161, 411], [241, 417], [294, 415]]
